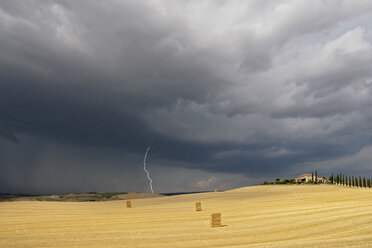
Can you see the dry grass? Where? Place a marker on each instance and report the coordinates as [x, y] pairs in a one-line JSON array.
[[261, 216]]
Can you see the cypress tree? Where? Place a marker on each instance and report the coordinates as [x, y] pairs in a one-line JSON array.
[[316, 176], [339, 179], [343, 180], [349, 181], [332, 179], [312, 176], [352, 181], [360, 182], [355, 182], [364, 182], [368, 182]]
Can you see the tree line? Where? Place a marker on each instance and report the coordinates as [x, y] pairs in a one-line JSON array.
[[339, 179], [350, 181]]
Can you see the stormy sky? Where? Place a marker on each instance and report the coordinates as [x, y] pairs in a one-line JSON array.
[[226, 93]]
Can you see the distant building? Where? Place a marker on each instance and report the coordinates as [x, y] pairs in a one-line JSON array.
[[307, 178], [304, 178], [322, 180]]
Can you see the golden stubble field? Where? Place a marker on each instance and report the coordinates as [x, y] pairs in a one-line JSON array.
[[260, 216]]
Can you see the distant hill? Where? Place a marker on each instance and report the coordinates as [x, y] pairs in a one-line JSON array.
[[78, 197]]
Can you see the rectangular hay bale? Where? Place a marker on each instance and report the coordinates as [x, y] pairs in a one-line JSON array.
[[129, 204], [198, 206], [216, 220]]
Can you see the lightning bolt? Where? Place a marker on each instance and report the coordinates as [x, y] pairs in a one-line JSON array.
[[144, 168]]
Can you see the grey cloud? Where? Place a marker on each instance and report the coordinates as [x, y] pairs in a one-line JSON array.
[[8, 134], [253, 88]]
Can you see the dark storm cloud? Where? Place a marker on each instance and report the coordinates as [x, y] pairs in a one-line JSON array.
[[6, 133], [248, 88]]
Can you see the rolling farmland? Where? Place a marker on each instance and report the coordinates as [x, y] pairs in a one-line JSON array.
[[260, 216]]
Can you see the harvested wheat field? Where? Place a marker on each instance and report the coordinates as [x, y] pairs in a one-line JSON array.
[[260, 216]]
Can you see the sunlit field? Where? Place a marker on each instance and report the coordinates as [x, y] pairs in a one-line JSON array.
[[260, 216]]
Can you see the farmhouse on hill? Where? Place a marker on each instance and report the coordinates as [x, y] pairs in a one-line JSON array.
[[308, 178]]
